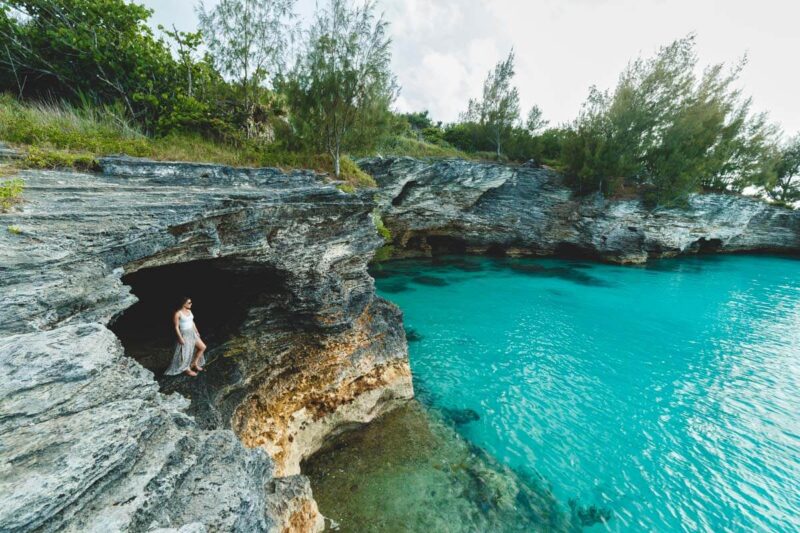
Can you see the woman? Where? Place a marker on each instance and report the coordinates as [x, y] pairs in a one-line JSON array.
[[185, 359]]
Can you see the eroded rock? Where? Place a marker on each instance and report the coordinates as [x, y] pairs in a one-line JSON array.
[[89, 443], [463, 206]]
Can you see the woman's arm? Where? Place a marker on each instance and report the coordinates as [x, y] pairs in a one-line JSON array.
[[195, 329], [176, 319]]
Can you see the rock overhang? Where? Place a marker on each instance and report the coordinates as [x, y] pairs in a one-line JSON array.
[[60, 286], [529, 210]]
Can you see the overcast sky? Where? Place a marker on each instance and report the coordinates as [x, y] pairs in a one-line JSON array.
[[443, 49]]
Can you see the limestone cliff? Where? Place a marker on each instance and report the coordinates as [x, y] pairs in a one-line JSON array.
[[91, 440], [460, 205], [88, 440]]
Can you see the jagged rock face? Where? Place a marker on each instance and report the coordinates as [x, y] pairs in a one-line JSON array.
[[87, 440], [321, 385], [476, 207]]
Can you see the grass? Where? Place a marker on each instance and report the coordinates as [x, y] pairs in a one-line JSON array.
[[36, 157], [7, 170], [10, 193], [54, 135], [383, 231], [406, 146], [54, 126]]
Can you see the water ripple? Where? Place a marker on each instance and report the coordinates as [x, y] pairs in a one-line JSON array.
[[668, 394]]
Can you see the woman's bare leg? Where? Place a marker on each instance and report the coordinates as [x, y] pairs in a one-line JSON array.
[[200, 346]]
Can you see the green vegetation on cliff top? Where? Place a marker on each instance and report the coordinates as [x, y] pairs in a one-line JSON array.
[[73, 93], [65, 136]]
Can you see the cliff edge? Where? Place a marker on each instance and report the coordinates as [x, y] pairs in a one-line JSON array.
[[90, 441], [465, 206]]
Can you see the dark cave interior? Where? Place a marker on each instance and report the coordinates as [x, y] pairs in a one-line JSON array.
[[221, 297]]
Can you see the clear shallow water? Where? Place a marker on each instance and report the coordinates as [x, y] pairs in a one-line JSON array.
[[667, 396], [411, 471]]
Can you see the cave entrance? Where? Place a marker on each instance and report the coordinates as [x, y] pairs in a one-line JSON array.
[[567, 250], [446, 245], [221, 293], [706, 246]]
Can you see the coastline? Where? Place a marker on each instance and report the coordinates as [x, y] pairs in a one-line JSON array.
[[316, 355]]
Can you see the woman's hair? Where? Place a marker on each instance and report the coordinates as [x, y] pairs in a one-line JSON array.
[[183, 301]]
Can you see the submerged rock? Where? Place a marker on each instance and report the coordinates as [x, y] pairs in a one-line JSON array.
[[413, 335], [411, 471], [445, 206], [88, 440], [460, 417]]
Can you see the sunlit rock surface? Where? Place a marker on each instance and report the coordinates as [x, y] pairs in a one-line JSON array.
[[87, 441], [90, 441], [464, 206]]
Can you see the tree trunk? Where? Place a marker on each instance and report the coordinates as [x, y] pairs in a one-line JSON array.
[[336, 168]]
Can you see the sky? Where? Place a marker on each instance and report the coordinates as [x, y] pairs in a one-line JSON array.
[[443, 49]]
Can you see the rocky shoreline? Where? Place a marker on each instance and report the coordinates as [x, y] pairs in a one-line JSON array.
[[90, 441], [468, 207]]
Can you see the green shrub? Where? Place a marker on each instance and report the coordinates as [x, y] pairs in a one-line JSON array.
[[99, 51], [384, 253], [14, 230], [668, 132], [51, 159], [383, 231], [406, 146], [468, 136], [418, 121], [550, 145], [10, 193], [435, 136]]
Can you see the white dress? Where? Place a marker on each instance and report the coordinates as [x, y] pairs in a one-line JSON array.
[[184, 353]]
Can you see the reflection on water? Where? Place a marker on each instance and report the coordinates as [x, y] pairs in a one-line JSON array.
[[443, 270], [574, 273]]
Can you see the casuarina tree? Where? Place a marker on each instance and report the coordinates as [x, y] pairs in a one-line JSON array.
[[668, 131], [535, 121], [248, 39], [498, 109], [342, 83], [784, 185]]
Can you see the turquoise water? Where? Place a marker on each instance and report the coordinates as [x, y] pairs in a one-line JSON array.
[[667, 396]]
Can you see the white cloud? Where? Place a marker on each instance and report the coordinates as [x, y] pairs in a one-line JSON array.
[[442, 49], [412, 17], [437, 74]]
